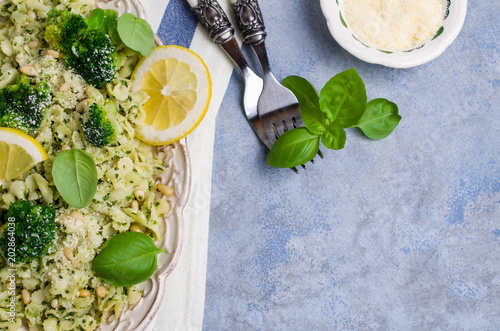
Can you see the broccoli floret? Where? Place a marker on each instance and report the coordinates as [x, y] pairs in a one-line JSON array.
[[99, 127], [23, 105], [33, 232], [63, 29], [90, 53], [92, 58]]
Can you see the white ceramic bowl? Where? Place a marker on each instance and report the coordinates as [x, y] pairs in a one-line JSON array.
[[420, 54]]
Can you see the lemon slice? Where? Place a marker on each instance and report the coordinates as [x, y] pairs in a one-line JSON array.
[[178, 84], [18, 153]]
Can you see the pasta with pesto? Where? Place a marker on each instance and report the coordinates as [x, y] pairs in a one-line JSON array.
[[62, 290]]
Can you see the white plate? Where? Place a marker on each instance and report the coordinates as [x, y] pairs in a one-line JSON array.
[[178, 175], [427, 51]]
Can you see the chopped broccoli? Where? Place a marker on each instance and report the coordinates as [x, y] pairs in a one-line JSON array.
[[23, 105], [99, 127], [89, 52], [92, 58], [33, 232], [63, 29]]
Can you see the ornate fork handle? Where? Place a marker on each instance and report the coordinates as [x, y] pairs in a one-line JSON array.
[[213, 19], [250, 21]]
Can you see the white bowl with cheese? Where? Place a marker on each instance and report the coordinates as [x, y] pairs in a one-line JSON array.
[[378, 31]]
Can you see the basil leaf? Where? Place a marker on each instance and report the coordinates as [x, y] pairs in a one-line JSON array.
[[334, 137], [136, 34], [343, 98], [95, 20], [105, 21], [293, 148], [379, 119], [127, 259], [314, 119], [75, 177]]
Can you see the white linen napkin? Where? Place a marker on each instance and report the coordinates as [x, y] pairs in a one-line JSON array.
[[183, 303]]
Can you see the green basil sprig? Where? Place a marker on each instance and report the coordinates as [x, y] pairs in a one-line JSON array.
[[308, 97], [136, 34], [133, 32], [295, 147], [127, 259], [105, 21], [75, 176], [343, 98], [379, 119], [342, 103]]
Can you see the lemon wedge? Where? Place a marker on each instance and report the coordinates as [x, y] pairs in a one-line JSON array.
[[178, 84], [19, 153]]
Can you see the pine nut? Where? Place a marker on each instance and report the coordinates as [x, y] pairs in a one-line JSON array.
[[65, 147], [26, 295], [64, 87], [75, 264], [55, 54], [28, 70], [32, 15], [165, 189], [135, 228], [54, 303], [139, 195], [34, 44], [84, 293], [134, 205], [101, 291], [81, 105], [68, 252], [77, 215]]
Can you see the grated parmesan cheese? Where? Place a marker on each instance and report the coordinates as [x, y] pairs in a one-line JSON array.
[[393, 24]]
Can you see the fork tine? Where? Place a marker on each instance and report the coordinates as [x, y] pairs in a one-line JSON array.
[[289, 123], [272, 133], [282, 125], [294, 169], [280, 128]]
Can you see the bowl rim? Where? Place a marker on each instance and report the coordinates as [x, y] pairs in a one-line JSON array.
[[396, 59]]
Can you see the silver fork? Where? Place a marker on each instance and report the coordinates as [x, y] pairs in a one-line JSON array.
[[214, 20], [278, 107]]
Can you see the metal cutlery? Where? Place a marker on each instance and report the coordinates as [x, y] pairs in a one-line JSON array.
[[270, 108], [278, 107], [214, 20]]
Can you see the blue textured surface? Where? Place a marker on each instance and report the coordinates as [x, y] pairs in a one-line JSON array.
[[397, 234]]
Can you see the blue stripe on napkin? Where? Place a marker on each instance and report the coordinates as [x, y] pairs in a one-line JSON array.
[[178, 24]]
